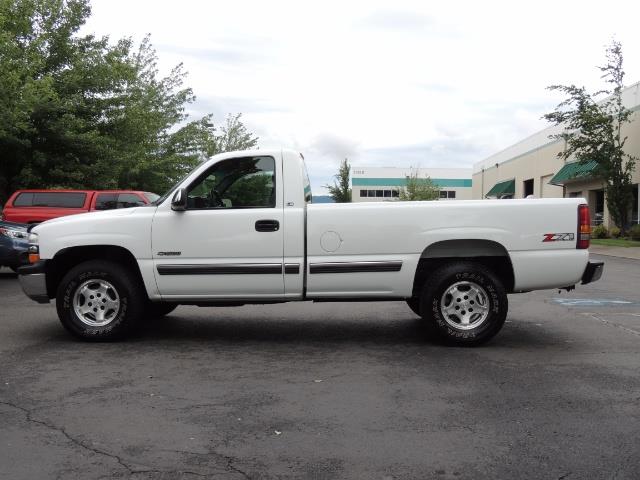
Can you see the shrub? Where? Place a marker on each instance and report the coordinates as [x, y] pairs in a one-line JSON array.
[[614, 232], [599, 232], [634, 232]]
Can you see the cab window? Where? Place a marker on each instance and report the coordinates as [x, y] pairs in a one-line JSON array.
[[235, 183], [50, 199], [308, 196]]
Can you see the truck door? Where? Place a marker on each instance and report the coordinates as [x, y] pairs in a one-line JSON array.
[[228, 243]]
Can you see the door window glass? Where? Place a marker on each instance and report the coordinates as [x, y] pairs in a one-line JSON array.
[[128, 200], [106, 201], [235, 183]]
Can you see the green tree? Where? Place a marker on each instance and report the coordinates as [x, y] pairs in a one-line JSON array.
[[340, 191], [235, 136], [418, 188], [80, 111], [593, 133]]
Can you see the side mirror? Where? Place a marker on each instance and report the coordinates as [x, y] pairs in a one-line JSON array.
[[179, 201]]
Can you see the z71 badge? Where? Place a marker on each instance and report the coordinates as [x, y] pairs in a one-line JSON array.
[[558, 237]]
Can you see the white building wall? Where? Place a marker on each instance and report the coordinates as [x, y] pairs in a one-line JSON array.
[[456, 182], [536, 158]]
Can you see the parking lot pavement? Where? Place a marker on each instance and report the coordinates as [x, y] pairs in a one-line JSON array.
[[328, 391]]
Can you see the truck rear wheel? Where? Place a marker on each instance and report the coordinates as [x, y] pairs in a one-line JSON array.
[[465, 303], [100, 301]]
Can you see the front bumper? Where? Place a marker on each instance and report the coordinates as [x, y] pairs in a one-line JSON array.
[[33, 281], [593, 272], [13, 253]]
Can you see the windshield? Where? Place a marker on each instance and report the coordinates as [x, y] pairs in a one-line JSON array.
[[151, 197]]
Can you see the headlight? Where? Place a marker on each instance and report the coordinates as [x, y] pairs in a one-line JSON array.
[[34, 249], [10, 233]]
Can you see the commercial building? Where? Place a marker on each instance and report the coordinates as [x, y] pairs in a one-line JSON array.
[[532, 167], [375, 184]]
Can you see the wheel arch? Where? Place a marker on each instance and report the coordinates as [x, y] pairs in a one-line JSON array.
[[489, 253], [67, 258]]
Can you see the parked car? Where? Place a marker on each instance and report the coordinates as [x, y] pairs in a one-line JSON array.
[[36, 206], [241, 229], [14, 245]]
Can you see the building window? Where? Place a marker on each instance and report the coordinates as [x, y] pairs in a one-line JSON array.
[[387, 193], [395, 193], [634, 207], [363, 193], [444, 194], [598, 215], [527, 188], [379, 193]]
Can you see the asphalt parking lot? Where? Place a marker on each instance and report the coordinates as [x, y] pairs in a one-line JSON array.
[[328, 391]]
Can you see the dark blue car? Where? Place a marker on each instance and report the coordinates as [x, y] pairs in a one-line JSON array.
[[14, 244]]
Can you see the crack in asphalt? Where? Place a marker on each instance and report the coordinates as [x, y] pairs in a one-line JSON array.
[[130, 469], [227, 458], [29, 416]]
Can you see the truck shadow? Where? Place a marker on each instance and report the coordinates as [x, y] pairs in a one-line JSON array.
[[409, 330], [8, 275]]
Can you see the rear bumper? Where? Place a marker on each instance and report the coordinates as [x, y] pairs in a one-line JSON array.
[[593, 272], [33, 281]]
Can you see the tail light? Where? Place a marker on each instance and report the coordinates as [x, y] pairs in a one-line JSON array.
[[584, 226]]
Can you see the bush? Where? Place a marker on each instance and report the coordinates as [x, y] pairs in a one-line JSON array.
[[599, 232], [634, 232], [614, 232]]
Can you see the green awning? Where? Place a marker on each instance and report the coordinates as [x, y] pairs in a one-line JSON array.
[[574, 171], [500, 189]]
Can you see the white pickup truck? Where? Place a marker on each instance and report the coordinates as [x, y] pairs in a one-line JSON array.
[[241, 228]]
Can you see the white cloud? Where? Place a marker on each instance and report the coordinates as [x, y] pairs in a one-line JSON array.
[[385, 83]]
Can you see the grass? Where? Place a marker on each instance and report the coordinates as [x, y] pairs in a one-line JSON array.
[[615, 242]]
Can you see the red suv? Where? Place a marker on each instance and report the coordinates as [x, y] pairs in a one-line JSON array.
[[35, 206]]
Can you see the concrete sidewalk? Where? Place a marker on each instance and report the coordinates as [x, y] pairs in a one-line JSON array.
[[623, 252]]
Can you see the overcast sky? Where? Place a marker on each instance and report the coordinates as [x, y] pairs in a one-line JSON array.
[[395, 83]]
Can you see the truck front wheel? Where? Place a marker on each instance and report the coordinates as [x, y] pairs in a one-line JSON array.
[[100, 301], [414, 305], [465, 303], [160, 309]]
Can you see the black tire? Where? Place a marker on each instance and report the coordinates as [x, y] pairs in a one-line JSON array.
[[159, 309], [414, 305], [450, 327], [125, 284], [14, 269]]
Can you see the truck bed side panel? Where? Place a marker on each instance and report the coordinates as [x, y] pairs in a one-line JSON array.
[[401, 231]]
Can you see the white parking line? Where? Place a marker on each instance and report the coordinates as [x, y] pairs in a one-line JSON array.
[[612, 324], [590, 302]]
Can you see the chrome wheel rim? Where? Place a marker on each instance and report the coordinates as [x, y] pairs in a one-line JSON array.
[[96, 303], [465, 305]]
